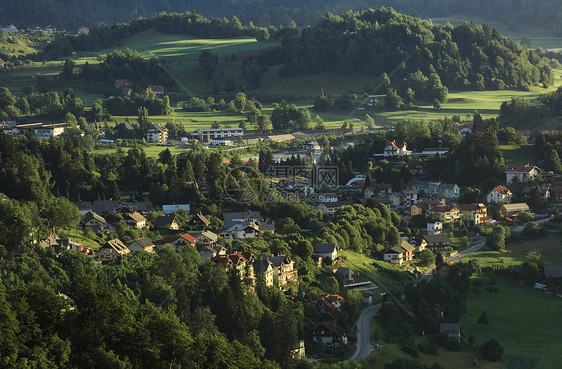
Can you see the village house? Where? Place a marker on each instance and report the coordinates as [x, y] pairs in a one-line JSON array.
[[378, 190], [437, 242], [266, 267], [526, 133], [326, 251], [112, 249], [206, 237], [466, 130], [394, 255], [452, 330], [121, 83], [97, 223], [396, 149], [499, 193], [157, 134], [510, 210], [404, 199], [167, 222], [443, 268], [170, 209], [242, 261], [446, 213], [208, 252], [433, 151], [330, 334], [434, 228], [142, 244], [312, 146], [206, 135], [135, 220], [332, 207], [545, 192], [158, 90], [419, 244], [437, 189], [344, 275], [240, 230], [328, 302], [199, 220], [279, 138], [283, 270], [526, 173], [475, 213], [417, 167], [183, 240]]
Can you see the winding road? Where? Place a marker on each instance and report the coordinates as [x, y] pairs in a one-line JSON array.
[[364, 347]]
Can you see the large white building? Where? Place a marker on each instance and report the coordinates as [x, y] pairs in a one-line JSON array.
[[394, 148], [38, 129], [205, 135]]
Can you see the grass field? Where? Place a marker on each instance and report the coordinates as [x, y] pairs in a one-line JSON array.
[[549, 246], [518, 155], [525, 322], [382, 273], [447, 359], [152, 151]]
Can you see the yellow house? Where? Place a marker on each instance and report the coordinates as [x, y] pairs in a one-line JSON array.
[[475, 213], [446, 213]]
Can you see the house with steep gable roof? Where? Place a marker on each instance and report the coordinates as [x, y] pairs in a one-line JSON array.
[[499, 193], [112, 249], [395, 149]]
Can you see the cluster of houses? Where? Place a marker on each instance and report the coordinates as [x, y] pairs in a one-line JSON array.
[[125, 86]]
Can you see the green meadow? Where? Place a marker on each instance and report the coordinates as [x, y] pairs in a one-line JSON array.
[[180, 54], [514, 254], [518, 155], [524, 321]]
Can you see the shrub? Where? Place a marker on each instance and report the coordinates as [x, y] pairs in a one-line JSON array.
[[491, 350], [409, 349], [428, 347]]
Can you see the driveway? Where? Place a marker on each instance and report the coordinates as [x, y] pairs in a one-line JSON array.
[[364, 347]]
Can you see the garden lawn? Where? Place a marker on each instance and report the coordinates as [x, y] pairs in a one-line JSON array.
[[524, 321], [518, 155]]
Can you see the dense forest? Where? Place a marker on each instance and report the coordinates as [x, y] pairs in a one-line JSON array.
[[379, 41], [74, 14]]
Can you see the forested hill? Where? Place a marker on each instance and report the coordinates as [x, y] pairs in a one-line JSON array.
[[75, 13], [468, 56]]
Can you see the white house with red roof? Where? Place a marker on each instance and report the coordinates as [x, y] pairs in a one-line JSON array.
[[183, 240], [499, 193], [396, 148], [522, 174], [159, 90]]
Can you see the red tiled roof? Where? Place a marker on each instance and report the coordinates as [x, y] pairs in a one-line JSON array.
[[472, 207], [121, 82], [189, 238], [157, 88], [442, 208], [397, 145], [501, 190], [2, 61], [523, 169]]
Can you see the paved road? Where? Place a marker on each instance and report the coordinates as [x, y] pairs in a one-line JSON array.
[[364, 347], [520, 228]]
